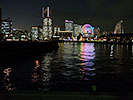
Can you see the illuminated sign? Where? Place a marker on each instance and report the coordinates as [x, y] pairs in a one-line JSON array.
[[34, 27], [67, 21]]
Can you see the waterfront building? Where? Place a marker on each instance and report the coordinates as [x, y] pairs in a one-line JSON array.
[[34, 32], [40, 35], [17, 34], [120, 38], [47, 23], [97, 31], [69, 25], [56, 30], [6, 26], [119, 29], [65, 35], [77, 30]]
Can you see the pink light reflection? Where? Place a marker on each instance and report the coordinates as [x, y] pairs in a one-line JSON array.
[[87, 57], [87, 52]]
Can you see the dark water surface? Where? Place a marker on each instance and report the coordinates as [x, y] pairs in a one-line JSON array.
[[73, 67]]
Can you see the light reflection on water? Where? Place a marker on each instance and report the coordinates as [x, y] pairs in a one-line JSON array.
[[72, 64], [45, 74], [35, 74], [73, 67], [88, 56], [7, 80]]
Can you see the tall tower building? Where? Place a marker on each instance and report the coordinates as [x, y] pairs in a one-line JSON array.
[[47, 23], [6, 26]]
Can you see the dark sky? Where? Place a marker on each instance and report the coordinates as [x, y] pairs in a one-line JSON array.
[[102, 13]]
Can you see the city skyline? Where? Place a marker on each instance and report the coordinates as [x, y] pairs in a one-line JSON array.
[[103, 13]]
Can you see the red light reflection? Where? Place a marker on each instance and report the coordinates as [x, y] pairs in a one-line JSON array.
[[7, 80], [35, 75]]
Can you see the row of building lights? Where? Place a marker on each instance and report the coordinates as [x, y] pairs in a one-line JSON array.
[[46, 31]]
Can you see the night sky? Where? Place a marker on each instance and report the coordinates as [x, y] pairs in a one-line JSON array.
[[102, 13]]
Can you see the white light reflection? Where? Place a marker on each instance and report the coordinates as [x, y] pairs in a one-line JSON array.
[[112, 51], [132, 49], [45, 72]]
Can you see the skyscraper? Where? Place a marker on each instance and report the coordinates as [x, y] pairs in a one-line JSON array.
[[6, 26], [47, 23]]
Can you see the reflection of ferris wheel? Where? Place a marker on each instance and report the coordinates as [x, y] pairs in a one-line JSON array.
[[87, 28]]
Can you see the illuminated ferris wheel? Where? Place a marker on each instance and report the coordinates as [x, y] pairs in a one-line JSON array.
[[88, 30]]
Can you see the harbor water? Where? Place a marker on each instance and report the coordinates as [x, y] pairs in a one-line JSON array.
[[72, 67]]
